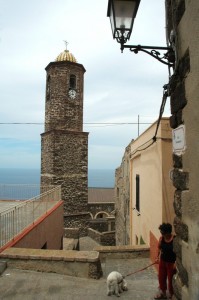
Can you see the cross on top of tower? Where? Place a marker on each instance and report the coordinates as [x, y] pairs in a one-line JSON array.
[[66, 43], [66, 55]]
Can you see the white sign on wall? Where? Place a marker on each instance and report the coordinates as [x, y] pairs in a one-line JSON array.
[[178, 139]]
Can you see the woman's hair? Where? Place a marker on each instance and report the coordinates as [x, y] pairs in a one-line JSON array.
[[165, 228]]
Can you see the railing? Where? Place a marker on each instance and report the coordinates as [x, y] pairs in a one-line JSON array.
[[16, 218]]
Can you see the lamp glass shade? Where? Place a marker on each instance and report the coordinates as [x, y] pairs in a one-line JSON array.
[[122, 14]]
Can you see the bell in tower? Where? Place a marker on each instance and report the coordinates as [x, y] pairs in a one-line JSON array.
[[64, 145]]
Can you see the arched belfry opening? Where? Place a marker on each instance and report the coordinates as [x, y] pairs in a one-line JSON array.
[[72, 81], [64, 145]]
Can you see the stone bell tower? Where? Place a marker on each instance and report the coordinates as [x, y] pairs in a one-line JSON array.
[[64, 145]]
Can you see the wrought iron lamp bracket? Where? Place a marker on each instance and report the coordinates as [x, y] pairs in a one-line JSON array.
[[167, 58]]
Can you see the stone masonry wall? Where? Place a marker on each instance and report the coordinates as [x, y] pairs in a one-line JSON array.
[[61, 112], [64, 147], [100, 225], [122, 202], [103, 238], [95, 208], [78, 220], [64, 162], [103, 224], [183, 18]]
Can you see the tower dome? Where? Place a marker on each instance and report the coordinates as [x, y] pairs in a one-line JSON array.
[[66, 56]]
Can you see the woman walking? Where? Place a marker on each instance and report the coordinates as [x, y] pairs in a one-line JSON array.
[[166, 259]]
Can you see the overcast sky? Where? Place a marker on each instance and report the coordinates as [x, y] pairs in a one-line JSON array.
[[117, 87]]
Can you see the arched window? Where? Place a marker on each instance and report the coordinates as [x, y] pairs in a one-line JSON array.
[[72, 82], [101, 215]]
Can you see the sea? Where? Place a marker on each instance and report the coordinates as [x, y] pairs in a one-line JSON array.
[[96, 178]]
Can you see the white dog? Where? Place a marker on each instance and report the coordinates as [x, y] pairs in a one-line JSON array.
[[116, 284]]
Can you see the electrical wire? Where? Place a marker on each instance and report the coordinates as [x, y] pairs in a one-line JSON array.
[[154, 138], [164, 99]]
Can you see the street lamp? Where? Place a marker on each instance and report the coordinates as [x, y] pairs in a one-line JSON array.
[[122, 14]]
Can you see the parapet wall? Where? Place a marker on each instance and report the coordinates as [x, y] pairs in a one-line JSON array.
[[70, 262], [123, 252]]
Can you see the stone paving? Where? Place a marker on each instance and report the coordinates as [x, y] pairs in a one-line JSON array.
[[30, 285], [25, 285]]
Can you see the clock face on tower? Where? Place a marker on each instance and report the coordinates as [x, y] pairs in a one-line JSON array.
[[72, 94]]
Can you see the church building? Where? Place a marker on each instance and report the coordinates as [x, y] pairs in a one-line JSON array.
[[64, 145]]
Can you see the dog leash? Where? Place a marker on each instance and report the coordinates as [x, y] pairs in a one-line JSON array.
[[140, 270]]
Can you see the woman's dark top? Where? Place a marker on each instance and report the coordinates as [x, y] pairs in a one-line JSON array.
[[167, 253]]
